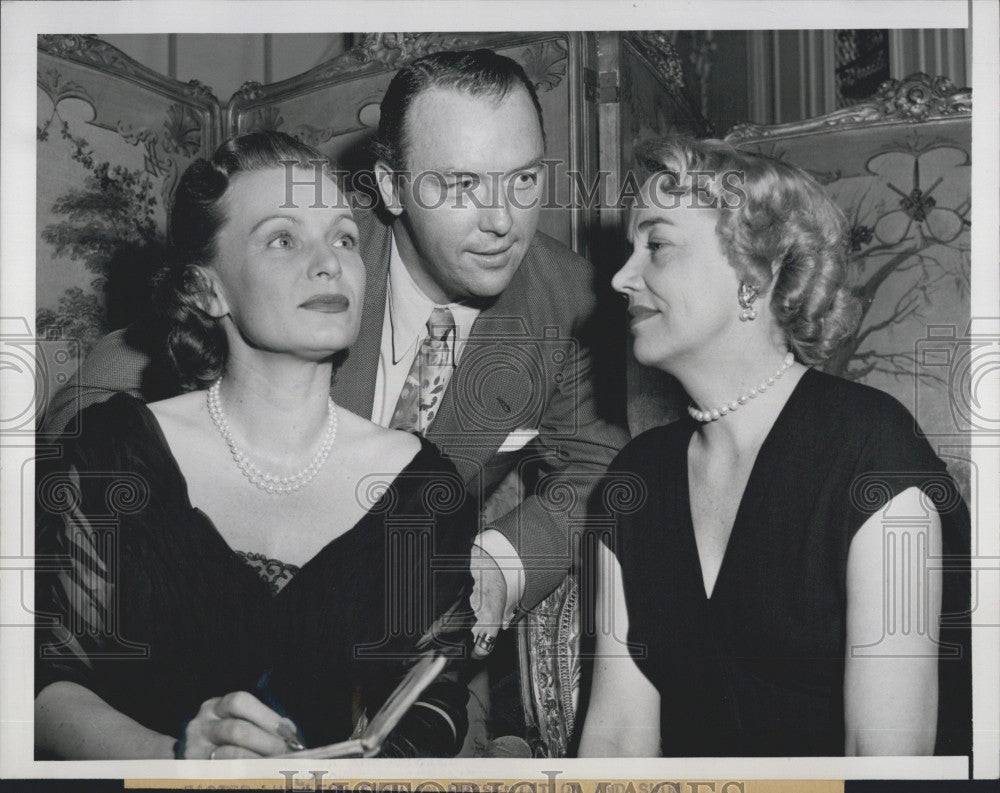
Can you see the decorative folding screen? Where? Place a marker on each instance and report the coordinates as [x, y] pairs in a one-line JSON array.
[[113, 138]]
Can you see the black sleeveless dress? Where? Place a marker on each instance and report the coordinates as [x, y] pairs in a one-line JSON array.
[[758, 667], [141, 600]]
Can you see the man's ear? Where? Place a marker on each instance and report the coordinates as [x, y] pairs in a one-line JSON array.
[[210, 296], [388, 187]]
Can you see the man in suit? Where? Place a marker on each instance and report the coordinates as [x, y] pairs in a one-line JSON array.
[[456, 268]]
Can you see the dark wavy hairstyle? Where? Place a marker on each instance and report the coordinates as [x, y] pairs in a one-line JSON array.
[[477, 72], [780, 231], [195, 342]]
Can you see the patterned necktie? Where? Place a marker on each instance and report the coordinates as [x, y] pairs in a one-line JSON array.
[[428, 377]]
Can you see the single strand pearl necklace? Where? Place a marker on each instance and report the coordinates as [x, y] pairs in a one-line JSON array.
[[278, 485], [717, 413]]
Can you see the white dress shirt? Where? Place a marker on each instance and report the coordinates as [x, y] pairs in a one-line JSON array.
[[404, 327]]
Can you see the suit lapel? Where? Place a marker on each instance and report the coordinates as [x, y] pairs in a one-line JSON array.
[[498, 387], [496, 384], [353, 385]]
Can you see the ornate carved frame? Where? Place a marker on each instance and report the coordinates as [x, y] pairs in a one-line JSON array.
[[916, 98], [375, 53], [655, 49], [196, 110], [89, 50]]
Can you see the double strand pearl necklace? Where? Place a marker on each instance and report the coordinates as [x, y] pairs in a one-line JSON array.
[[278, 485], [714, 414]]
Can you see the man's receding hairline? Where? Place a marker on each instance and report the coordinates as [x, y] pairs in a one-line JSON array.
[[498, 94]]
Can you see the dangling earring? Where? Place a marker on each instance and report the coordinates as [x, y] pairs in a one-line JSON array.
[[746, 296]]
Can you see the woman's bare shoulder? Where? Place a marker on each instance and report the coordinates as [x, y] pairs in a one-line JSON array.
[[184, 412], [359, 433]]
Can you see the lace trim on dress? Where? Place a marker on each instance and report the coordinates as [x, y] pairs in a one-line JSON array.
[[274, 571]]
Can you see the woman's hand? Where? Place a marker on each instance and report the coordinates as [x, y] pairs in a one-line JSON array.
[[234, 726]]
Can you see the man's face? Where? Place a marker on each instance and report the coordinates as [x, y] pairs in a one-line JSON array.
[[470, 197]]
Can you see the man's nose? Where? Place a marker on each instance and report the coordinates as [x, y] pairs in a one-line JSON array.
[[495, 216]]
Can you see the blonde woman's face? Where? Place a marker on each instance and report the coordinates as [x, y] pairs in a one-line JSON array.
[[679, 283]]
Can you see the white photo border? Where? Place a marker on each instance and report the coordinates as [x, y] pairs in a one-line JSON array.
[[23, 21]]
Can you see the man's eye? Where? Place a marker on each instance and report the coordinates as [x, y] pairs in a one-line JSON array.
[[466, 181], [346, 241], [281, 241], [525, 179]]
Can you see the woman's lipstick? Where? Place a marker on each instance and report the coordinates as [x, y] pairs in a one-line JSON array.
[[639, 313], [327, 304]]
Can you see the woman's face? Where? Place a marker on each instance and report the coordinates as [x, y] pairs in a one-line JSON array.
[[289, 275], [679, 283]]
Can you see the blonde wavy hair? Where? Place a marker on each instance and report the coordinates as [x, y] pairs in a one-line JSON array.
[[779, 229]]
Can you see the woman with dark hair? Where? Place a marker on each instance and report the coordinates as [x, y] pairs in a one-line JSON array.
[[774, 586], [247, 567]]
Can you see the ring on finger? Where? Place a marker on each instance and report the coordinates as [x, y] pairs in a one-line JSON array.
[[211, 755], [485, 641]]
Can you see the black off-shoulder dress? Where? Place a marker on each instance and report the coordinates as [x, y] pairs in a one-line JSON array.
[[758, 667], [141, 600]]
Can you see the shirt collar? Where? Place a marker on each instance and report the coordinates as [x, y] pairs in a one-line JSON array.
[[411, 308]]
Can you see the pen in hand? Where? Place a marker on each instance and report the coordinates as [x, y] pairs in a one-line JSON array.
[[288, 734], [286, 729]]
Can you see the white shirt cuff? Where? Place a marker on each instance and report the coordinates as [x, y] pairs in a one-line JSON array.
[[505, 555]]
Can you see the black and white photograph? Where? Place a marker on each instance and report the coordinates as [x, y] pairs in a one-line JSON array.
[[556, 392]]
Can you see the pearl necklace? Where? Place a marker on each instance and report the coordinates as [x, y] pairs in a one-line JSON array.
[[278, 485], [716, 413]]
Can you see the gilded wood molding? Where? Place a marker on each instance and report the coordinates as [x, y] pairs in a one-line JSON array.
[[660, 54], [92, 51], [544, 60], [916, 98]]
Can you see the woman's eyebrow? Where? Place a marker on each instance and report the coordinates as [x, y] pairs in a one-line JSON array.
[[341, 220], [262, 221], [645, 224]]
